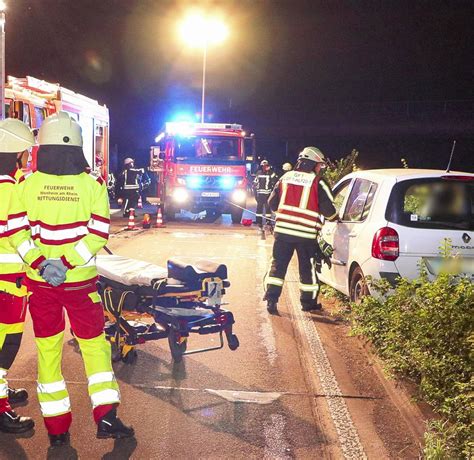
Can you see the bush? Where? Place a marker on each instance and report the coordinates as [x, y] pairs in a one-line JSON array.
[[423, 330], [336, 170]]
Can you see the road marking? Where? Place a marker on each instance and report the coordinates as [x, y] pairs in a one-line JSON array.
[[347, 433], [276, 446], [252, 397]]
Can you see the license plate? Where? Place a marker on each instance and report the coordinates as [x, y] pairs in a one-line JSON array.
[[210, 194]]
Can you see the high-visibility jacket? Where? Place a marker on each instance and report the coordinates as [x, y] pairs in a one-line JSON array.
[[14, 235], [302, 199], [265, 181], [69, 218]]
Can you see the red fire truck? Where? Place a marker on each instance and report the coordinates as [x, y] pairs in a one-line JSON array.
[[32, 100], [200, 167]]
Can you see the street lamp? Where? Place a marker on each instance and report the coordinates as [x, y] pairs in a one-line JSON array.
[[3, 7], [200, 31]]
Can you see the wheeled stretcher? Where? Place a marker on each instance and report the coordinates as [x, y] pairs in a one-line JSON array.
[[143, 301]]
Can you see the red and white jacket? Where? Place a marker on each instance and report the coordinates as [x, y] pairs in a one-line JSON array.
[[303, 200]]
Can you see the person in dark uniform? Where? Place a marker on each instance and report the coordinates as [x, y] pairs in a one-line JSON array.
[[265, 180], [129, 186], [300, 199]]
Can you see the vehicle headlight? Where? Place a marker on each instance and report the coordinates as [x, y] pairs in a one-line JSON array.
[[180, 195], [239, 196], [227, 182]]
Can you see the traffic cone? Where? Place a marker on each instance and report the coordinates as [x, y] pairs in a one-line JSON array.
[[131, 220], [159, 219], [140, 203], [146, 221]]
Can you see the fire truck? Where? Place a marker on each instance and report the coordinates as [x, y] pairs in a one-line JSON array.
[[32, 100], [200, 167]]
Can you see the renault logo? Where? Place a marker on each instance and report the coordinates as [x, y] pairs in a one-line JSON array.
[[466, 238]]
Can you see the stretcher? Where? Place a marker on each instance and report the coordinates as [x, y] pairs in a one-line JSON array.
[[143, 302]]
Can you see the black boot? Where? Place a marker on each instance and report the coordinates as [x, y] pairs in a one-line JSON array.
[[311, 307], [59, 440], [10, 422], [110, 426], [17, 396], [272, 306]]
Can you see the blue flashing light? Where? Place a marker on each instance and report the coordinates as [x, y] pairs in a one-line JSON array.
[[194, 181], [227, 182]]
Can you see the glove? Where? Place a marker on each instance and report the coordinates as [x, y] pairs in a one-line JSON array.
[[52, 275], [326, 249]]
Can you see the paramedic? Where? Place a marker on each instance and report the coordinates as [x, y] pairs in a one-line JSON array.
[[68, 210], [15, 141], [129, 186], [300, 198], [264, 181]]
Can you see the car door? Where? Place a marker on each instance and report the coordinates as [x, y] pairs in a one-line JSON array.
[[349, 240], [340, 193]]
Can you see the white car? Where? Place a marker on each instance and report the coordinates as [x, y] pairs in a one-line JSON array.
[[392, 219]]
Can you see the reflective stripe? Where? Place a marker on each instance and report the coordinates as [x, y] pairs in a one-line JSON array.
[[83, 251], [326, 189], [105, 397], [309, 287], [286, 207], [99, 226], [90, 263], [287, 231], [51, 408], [17, 222], [3, 390], [284, 186], [305, 197], [37, 231], [52, 387], [295, 219], [274, 281], [301, 228], [25, 248], [10, 259], [101, 377]]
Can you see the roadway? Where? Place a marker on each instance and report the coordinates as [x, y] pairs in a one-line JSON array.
[[298, 386]]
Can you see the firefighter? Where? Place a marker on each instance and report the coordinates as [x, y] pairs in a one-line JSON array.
[[68, 210], [129, 186], [15, 141], [265, 180], [299, 199]]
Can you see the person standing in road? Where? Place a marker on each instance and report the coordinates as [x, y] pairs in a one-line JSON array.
[[68, 211], [300, 199], [265, 180], [15, 141], [129, 186]]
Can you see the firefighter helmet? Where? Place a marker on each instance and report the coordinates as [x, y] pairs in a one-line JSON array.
[[15, 136], [264, 163], [312, 154], [127, 161], [60, 129], [287, 167]]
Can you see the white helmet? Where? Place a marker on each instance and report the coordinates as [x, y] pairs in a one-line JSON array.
[[15, 136], [312, 154], [60, 129], [127, 161], [287, 167], [264, 163]]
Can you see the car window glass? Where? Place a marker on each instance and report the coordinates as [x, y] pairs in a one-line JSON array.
[[340, 193], [359, 201]]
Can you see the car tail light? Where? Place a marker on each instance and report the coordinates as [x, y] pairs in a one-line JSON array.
[[459, 178], [385, 245]]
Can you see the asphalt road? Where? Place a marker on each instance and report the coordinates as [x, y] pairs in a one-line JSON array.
[[260, 401]]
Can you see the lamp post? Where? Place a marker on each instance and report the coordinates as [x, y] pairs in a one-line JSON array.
[[200, 31], [2, 60]]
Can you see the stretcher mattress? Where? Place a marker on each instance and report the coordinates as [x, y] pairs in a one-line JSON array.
[[130, 272]]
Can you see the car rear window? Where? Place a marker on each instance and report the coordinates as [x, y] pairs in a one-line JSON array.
[[439, 203]]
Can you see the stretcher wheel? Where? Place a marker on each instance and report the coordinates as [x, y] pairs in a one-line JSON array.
[[130, 357], [233, 342], [177, 345]]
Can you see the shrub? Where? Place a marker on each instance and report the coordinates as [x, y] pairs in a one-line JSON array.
[[423, 330], [336, 170]]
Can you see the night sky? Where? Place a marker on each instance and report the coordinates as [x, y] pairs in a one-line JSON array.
[[283, 61]]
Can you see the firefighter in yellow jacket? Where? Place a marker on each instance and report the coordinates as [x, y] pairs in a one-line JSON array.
[[68, 210], [15, 141]]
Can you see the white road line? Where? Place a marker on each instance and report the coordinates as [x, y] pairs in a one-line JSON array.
[[347, 432]]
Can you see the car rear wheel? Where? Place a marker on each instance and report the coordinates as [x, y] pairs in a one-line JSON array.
[[358, 286]]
